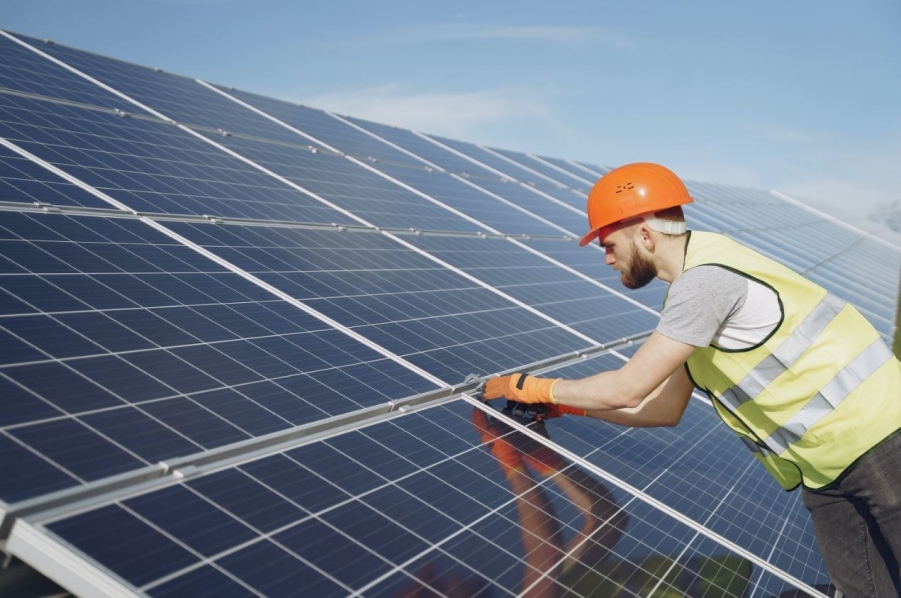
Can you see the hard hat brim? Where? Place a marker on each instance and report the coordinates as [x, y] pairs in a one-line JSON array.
[[591, 236]]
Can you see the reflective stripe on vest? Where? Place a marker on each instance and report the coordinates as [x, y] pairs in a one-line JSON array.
[[787, 354], [831, 396]]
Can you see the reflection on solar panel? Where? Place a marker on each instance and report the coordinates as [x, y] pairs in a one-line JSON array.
[[235, 335]]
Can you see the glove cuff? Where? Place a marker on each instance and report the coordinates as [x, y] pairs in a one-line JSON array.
[[550, 391], [542, 390]]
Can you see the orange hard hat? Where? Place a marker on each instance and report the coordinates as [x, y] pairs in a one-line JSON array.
[[630, 191]]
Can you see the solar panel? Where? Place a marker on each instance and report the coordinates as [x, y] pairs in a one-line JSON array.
[[547, 171], [397, 297], [580, 171], [235, 335], [362, 513], [134, 348], [569, 220], [514, 170], [576, 175]]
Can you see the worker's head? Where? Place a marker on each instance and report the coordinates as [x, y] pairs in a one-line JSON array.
[[640, 191], [630, 210]]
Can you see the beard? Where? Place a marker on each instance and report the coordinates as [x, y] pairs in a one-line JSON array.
[[639, 272]]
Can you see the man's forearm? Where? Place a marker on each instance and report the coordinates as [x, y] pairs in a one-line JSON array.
[[663, 407], [606, 391]]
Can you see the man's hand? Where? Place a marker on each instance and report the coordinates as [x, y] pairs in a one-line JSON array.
[[521, 388]]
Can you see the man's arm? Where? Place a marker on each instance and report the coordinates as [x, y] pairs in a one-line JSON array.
[[651, 389], [663, 407], [653, 364]]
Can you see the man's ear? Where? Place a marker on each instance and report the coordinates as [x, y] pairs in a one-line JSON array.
[[646, 236]]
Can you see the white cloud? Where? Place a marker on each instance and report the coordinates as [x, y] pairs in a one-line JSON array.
[[858, 180], [462, 115]]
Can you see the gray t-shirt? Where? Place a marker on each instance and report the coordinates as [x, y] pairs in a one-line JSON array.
[[713, 305]]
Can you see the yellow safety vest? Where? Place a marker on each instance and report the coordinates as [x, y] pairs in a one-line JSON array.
[[818, 393]]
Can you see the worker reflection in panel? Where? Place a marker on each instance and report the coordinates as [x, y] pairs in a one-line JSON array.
[[549, 558], [584, 564]]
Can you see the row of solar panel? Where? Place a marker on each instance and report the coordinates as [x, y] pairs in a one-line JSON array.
[[127, 348], [152, 167], [381, 512]]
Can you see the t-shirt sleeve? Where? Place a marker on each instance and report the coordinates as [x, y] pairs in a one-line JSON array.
[[699, 301]]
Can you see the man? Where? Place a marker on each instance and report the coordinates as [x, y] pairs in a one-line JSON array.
[[802, 378]]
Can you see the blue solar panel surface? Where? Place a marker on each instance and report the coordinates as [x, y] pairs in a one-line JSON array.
[[548, 186], [588, 176], [396, 297], [247, 345], [123, 347], [549, 173], [569, 220], [378, 512]]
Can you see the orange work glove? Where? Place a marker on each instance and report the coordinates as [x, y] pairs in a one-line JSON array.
[[521, 388]]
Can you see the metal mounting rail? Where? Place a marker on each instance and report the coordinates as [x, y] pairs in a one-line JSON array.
[[152, 477], [48, 208]]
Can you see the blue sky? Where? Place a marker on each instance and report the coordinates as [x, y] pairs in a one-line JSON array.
[[799, 96]]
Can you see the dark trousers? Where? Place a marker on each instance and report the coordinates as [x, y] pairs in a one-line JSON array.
[[858, 525]]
